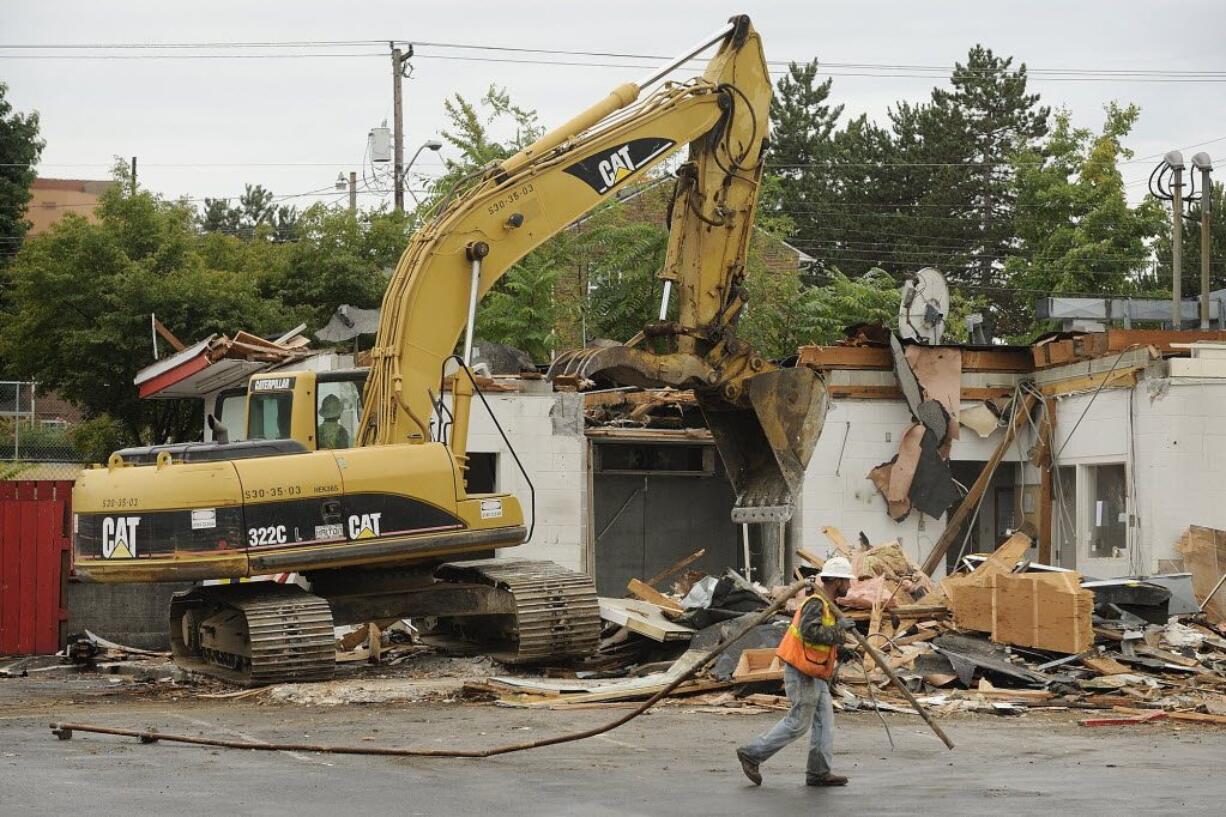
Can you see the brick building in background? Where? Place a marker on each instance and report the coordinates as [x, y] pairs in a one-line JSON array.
[[51, 199]]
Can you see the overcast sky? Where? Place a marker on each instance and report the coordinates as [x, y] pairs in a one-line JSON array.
[[204, 127]]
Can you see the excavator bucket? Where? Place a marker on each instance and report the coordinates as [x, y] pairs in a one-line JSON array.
[[767, 446]]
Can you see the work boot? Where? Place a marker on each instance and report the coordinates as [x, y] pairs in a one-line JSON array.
[[750, 767], [826, 779]]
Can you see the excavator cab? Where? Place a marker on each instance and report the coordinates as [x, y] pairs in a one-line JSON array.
[[319, 410]]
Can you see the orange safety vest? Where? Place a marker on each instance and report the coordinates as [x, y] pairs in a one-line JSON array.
[[817, 660]]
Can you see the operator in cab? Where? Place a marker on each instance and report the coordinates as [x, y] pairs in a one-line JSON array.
[[811, 649], [331, 434]]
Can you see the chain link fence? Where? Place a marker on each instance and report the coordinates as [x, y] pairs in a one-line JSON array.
[[33, 445]]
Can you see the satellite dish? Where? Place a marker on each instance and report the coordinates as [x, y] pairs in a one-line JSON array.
[[924, 307]]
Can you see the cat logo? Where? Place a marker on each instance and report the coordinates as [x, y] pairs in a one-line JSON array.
[[273, 384], [364, 526], [119, 537], [605, 170]]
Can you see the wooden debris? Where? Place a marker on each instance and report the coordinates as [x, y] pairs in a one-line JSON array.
[[676, 567], [1198, 717], [1106, 665], [811, 558], [1048, 611], [649, 594], [758, 665], [643, 618], [1204, 555], [1125, 721]]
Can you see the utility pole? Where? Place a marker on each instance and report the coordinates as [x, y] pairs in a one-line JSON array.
[[1175, 160], [353, 191], [1204, 164], [399, 59], [133, 175]]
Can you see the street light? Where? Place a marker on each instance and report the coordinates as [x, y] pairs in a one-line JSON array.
[[430, 144]]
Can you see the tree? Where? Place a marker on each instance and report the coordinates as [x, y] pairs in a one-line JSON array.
[[20, 148], [785, 313], [256, 208], [1080, 234], [802, 158], [77, 316], [979, 126]]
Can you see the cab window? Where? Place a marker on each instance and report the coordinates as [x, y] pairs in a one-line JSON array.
[[268, 415], [229, 409], [338, 407]]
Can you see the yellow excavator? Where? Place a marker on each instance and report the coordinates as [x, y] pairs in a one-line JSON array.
[[375, 528]]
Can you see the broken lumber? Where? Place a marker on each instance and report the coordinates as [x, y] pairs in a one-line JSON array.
[[954, 526], [676, 568], [1106, 665], [970, 596], [811, 558], [644, 592], [1125, 721], [642, 618], [1198, 717]]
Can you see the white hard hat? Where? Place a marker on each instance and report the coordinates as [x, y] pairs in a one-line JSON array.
[[837, 568]]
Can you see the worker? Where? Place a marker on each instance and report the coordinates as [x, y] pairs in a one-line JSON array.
[[811, 649], [331, 433]]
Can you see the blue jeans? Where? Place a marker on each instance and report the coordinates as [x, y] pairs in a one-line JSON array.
[[811, 704]]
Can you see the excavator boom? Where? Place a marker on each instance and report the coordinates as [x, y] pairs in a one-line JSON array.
[[373, 527]]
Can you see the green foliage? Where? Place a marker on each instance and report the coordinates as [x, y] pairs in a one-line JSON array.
[[20, 148], [934, 188], [96, 438], [623, 255], [522, 311], [32, 441], [256, 214], [784, 313], [77, 316], [1081, 234]]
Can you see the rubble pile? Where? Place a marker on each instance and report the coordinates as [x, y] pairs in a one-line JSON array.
[[1001, 635]]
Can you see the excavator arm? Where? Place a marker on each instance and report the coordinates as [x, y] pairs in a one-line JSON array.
[[509, 209]]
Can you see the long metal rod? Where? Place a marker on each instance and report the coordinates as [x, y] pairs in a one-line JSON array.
[[1206, 197], [474, 285], [664, 70], [64, 730], [1177, 250]]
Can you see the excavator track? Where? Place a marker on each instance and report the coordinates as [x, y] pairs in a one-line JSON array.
[[557, 615], [253, 634]]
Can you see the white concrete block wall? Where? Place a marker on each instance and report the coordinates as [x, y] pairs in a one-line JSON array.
[[1175, 442], [547, 431]]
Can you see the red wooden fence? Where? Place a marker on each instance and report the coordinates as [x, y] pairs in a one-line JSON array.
[[34, 565]]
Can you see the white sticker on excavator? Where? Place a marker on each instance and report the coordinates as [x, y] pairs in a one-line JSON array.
[[204, 519], [491, 508], [329, 532]]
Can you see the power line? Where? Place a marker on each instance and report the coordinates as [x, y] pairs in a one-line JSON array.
[[332, 44], [831, 68]]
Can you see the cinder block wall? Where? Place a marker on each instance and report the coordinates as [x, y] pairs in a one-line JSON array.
[[547, 430], [1173, 435], [136, 615]]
